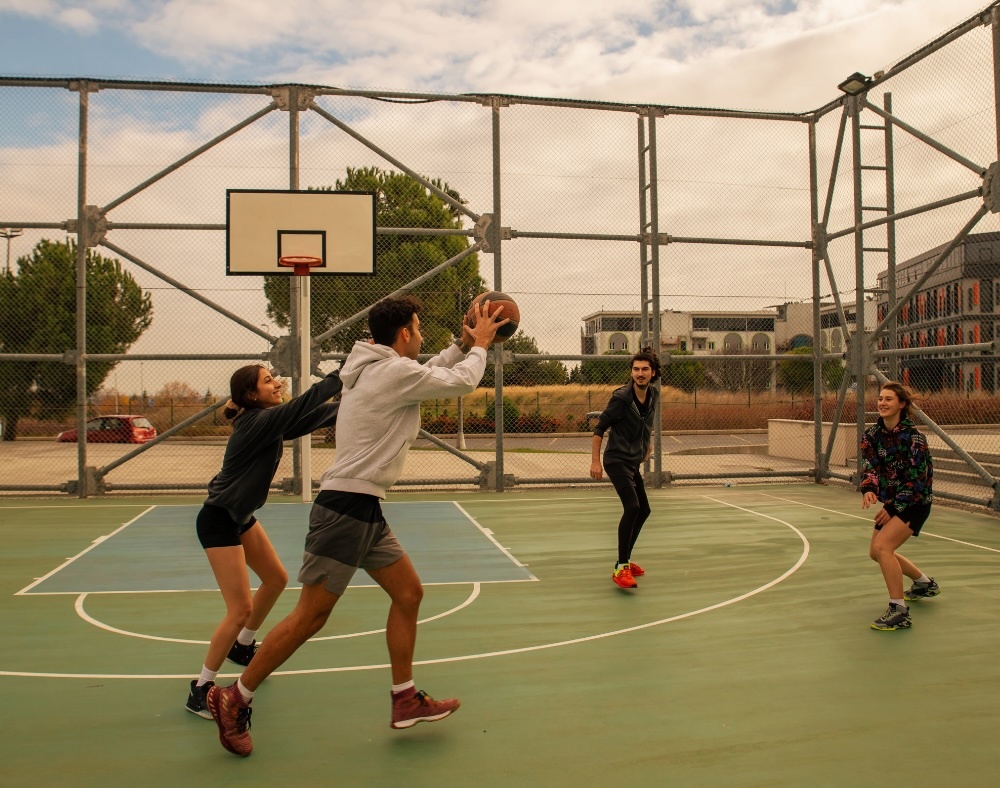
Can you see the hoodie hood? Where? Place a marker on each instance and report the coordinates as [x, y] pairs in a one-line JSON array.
[[363, 355]]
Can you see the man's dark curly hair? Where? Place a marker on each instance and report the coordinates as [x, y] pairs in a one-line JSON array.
[[389, 315]]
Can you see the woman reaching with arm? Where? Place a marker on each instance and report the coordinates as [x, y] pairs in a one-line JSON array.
[[229, 532]]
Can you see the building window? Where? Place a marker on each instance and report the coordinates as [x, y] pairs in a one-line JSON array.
[[733, 343], [711, 346]]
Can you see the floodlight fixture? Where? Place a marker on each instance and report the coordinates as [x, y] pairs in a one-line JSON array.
[[855, 84]]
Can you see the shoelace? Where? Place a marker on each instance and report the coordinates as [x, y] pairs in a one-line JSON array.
[[422, 697], [243, 719]]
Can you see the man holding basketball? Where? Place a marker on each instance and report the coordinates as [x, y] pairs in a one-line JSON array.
[[630, 415], [378, 421]]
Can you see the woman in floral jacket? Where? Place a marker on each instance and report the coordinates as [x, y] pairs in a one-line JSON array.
[[896, 470]]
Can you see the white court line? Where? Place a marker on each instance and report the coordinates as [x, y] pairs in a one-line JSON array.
[[467, 657], [93, 544], [78, 606], [863, 517], [489, 535], [138, 591], [85, 506]]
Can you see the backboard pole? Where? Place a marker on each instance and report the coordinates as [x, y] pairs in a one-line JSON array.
[[299, 301]]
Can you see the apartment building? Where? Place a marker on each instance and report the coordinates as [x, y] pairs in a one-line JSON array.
[[959, 303]]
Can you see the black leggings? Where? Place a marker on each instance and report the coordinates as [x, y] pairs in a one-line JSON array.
[[628, 484]]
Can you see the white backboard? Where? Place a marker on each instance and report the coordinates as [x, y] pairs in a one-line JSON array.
[[263, 226]]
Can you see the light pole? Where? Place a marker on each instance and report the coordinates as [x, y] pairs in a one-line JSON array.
[[8, 233]]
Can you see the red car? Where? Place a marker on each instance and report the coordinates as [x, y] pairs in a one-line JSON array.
[[114, 429]]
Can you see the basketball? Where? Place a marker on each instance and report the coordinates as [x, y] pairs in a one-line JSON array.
[[510, 311]]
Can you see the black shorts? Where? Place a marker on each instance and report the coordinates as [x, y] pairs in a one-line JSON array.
[[915, 516], [217, 529]]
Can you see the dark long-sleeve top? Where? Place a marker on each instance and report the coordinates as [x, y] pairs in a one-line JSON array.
[[631, 431], [256, 445], [896, 464]]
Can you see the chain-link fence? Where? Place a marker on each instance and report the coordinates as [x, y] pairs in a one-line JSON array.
[[781, 264]]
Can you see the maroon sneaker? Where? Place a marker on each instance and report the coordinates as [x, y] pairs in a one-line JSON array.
[[410, 707], [232, 714]]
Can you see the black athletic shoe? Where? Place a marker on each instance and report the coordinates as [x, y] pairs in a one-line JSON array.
[[922, 591], [241, 654], [896, 617], [196, 703]]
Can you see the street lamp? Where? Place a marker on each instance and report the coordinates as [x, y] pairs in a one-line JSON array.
[[8, 233]]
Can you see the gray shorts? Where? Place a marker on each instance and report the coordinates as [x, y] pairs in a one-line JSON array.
[[347, 532]]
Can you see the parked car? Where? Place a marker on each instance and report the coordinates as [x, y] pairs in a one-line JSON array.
[[114, 429]]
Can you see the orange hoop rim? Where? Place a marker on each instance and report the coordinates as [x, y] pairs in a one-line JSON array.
[[300, 263]]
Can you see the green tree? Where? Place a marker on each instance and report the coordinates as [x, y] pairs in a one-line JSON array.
[[682, 374], [796, 374], [605, 371], [400, 201], [738, 374], [526, 373], [38, 315]]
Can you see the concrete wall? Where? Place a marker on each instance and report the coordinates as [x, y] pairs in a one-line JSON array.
[[794, 440]]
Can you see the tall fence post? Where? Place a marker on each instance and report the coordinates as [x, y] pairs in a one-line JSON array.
[[496, 245], [82, 244]]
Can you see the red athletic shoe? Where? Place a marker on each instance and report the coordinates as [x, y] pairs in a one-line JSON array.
[[637, 571], [232, 714], [623, 578], [410, 707]]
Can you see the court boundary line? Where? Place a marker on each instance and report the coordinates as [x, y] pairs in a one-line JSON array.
[[862, 517], [99, 540], [289, 587], [485, 655], [488, 533]]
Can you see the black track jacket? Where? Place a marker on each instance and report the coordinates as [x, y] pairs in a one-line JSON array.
[[630, 432]]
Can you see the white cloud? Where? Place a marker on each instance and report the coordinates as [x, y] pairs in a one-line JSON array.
[[564, 171], [79, 19]]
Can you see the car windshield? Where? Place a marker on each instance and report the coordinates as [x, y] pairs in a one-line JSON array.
[[143, 423]]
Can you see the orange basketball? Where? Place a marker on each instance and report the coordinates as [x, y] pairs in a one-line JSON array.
[[510, 311]]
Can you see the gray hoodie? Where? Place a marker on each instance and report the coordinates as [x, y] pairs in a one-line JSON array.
[[380, 410]]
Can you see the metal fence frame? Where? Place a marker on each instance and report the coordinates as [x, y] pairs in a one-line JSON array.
[[865, 354]]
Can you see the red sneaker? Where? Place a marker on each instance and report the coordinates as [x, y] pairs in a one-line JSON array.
[[637, 571], [232, 714], [411, 707], [623, 578]]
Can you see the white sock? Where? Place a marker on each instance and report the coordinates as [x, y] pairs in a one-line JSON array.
[[206, 676], [247, 694], [898, 603], [246, 636], [404, 686], [924, 580]]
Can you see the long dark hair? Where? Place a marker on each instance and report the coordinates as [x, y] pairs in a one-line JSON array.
[[904, 396], [647, 355], [242, 384]]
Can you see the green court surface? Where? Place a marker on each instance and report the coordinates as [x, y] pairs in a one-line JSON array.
[[744, 658]]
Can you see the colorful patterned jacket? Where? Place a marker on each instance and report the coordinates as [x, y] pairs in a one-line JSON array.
[[896, 464]]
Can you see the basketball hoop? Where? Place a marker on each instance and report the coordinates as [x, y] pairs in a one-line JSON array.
[[300, 263]]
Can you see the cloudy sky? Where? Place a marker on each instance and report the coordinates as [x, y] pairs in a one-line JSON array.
[[780, 54], [568, 172]]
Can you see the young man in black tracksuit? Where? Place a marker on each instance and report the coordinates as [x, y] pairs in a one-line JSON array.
[[630, 415]]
